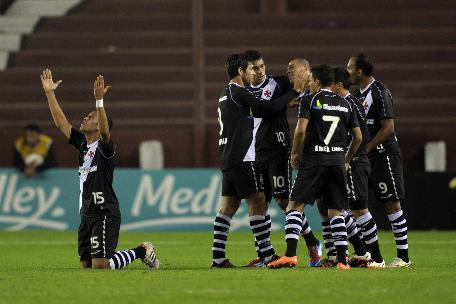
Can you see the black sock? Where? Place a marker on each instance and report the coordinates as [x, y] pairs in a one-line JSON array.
[[293, 228], [353, 235], [339, 234], [399, 227], [369, 231], [121, 259], [307, 233], [327, 237], [259, 226], [221, 229], [140, 252]]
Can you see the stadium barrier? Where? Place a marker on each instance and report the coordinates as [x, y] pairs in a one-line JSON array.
[[158, 200], [187, 200]]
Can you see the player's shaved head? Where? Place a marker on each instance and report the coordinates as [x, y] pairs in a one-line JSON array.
[[300, 61], [296, 66]]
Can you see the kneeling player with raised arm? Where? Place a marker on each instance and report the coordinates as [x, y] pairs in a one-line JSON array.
[[99, 208], [323, 125]]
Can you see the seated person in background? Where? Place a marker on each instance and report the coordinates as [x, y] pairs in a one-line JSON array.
[[33, 152]]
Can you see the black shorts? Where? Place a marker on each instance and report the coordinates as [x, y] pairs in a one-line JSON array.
[[242, 180], [358, 186], [387, 178], [98, 237], [276, 171], [321, 182]]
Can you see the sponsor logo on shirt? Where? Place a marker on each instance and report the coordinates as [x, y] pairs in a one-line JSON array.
[[335, 108], [83, 171], [328, 149], [317, 105]]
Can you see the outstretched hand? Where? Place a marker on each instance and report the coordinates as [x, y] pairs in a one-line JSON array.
[[47, 83], [99, 89]]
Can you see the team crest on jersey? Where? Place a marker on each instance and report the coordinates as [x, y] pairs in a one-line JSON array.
[[269, 89], [90, 154]]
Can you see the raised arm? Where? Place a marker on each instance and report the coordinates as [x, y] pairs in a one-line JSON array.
[[261, 108], [99, 90], [58, 116]]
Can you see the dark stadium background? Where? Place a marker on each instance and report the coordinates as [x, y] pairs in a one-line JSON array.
[[164, 60]]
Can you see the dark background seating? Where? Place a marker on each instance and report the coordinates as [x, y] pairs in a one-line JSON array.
[[146, 50]]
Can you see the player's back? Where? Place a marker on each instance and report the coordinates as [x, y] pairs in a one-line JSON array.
[[236, 138], [330, 119]]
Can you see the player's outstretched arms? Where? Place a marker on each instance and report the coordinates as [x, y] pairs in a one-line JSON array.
[[357, 137], [99, 90], [49, 86]]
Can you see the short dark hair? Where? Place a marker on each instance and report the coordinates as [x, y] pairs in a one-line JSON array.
[[234, 62], [343, 76], [323, 73], [33, 126], [253, 55], [364, 63]]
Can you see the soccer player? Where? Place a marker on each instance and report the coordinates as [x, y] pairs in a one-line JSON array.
[[98, 205], [383, 150], [357, 183], [237, 108], [321, 132], [273, 144]]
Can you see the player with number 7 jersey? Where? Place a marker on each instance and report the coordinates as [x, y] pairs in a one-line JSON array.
[[325, 119]]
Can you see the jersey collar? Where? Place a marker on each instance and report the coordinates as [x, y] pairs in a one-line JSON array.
[[257, 86], [92, 144], [234, 83], [367, 87]]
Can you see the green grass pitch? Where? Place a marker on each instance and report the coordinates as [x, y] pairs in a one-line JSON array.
[[43, 267]]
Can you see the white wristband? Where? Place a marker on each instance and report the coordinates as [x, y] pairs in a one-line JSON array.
[[99, 103]]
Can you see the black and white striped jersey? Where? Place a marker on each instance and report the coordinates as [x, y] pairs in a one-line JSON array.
[[273, 131], [378, 105], [361, 155], [330, 119], [237, 108], [96, 169]]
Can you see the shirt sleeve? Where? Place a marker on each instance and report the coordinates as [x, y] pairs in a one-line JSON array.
[[260, 107], [108, 150], [304, 107], [383, 98], [76, 138]]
